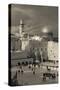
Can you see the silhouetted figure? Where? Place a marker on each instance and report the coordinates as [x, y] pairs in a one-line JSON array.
[[44, 77], [21, 71], [29, 66], [53, 76], [57, 73], [34, 72], [32, 69]]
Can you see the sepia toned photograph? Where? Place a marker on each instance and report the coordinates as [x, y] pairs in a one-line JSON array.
[[33, 45]]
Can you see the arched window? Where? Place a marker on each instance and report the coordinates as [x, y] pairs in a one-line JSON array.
[[26, 63], [22, 63], [18, 63]]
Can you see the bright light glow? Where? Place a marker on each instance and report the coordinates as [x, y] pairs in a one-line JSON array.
[[45, 30], [37, 38]]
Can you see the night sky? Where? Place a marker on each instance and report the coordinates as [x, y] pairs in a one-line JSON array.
[[35, 19]]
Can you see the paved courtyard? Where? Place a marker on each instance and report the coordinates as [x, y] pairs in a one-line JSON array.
[[28, 78]]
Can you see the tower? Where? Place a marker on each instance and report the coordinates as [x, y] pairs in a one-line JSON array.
[[24, 41], [21, 28], [21, 33]]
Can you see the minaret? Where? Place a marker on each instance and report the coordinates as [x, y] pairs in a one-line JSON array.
[[21, 33], [21, 27]]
